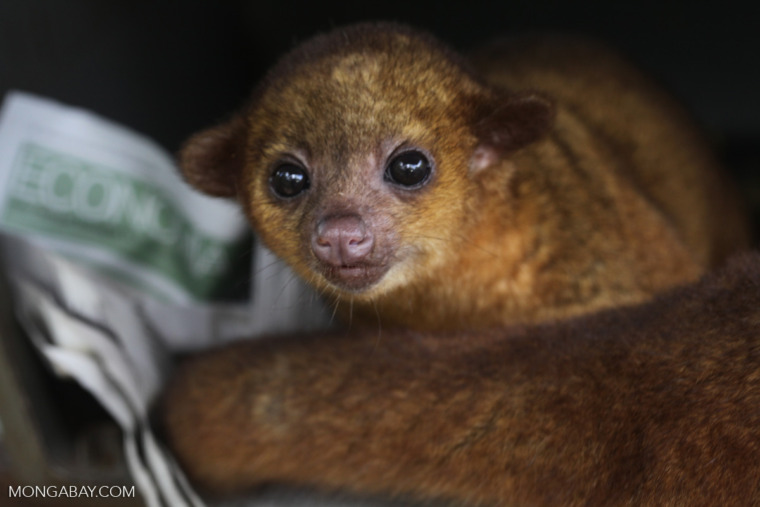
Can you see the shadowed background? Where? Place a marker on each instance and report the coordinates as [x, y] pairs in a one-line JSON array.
[[168, 68]]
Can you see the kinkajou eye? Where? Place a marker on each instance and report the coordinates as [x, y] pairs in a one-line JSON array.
[[410, 169], [289, 180]]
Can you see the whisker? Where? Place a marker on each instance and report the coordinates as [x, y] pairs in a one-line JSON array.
[[267, 267], [350, 311], [379, 327], [282, 290], [336, 304], [247, 251], [319, 291]]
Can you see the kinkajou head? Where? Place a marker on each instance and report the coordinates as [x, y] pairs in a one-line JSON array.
[[393, 174]]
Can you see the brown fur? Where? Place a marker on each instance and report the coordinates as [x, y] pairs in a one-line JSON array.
[[564, 182], [651, 405]]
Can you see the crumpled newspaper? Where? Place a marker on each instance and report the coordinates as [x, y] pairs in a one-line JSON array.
[[115, 263]]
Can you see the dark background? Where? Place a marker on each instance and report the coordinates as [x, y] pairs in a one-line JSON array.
[[168, 68]]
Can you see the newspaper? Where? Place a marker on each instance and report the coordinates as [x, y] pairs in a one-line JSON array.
[[115, 264]]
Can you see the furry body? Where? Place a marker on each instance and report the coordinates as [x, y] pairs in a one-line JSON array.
[[457, 202], [562, 181], [651, 405]]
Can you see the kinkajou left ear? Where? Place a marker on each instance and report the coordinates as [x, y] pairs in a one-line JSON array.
[[212, 159], [508, 124]]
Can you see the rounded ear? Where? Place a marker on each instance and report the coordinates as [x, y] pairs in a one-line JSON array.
[[212, 159], [510, 123]]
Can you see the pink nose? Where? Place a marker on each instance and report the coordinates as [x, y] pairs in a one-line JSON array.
[[342, 240]]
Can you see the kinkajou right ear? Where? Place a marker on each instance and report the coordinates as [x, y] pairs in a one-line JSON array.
[[510, 122], [212, 159]]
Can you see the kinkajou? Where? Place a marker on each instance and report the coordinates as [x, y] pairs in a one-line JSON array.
[[535, 180], [504, 219]]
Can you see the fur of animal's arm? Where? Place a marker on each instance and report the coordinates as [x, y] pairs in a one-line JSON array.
[[658, 404]]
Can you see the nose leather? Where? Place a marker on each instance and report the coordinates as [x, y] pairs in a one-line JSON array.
[[343, 240]]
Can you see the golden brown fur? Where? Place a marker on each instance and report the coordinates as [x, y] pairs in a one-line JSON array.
[[564, 181], [651, 405]]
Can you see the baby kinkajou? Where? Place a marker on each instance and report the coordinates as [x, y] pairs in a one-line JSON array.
[[539, 180], [536, 180], [651, 405]]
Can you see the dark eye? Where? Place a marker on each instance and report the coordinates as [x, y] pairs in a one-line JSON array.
[[289, 180], [410, 169]]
